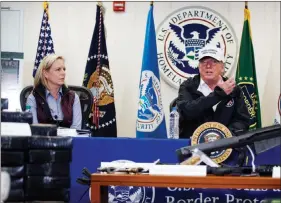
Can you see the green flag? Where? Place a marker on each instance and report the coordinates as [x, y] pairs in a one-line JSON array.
[[246, 73]]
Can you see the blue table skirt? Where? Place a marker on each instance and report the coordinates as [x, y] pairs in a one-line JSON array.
[[90, 152]]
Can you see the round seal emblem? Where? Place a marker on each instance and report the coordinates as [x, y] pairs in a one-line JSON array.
[[230, 103], [209, 132], [183, 33], [129, 194], [150, 109]]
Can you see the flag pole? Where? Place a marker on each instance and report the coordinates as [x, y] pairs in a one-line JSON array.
[[246, 4], [151, 3]]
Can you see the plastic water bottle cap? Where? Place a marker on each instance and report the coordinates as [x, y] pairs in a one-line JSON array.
[[174, 108], [27, 107]]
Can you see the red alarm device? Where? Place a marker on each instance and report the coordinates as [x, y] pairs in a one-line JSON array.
[[119, 6]]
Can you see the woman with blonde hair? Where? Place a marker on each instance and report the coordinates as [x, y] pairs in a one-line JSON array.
[[51, 101]]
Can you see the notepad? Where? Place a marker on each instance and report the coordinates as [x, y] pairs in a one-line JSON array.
[[15, 129], [66, 132], [276, 172], [178, 170]]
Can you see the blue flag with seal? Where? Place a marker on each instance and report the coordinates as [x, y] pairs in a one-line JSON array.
[[151, 119]]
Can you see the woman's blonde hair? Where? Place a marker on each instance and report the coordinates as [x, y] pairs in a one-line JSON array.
[[45, 64]]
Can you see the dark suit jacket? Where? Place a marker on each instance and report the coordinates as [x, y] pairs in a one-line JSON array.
[[196, 109]]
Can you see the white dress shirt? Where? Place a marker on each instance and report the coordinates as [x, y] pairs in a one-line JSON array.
[[206, 90]]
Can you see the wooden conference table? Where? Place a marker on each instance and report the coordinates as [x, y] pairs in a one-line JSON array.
[[100, 182]]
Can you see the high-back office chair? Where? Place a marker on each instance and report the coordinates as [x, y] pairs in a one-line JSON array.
[[4, 103], [85, 96], [23, 96], [173, 103]]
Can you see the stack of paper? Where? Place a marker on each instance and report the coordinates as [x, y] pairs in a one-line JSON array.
[[276, 172], [180, 170]]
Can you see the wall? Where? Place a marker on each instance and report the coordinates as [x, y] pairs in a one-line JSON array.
[[72, 25]]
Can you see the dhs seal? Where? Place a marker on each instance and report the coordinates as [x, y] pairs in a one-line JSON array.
[[150, 110], [183, 33], [209, 132], [129, 194]]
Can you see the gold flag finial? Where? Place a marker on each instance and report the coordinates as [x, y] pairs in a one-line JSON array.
[[247, 16], [246, 12], [45, 4], [100, 3], [46, 7]]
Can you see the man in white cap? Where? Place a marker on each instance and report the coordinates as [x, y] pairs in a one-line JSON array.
[[210, 97]]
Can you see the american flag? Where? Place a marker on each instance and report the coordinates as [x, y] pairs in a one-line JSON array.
[[45, 43]]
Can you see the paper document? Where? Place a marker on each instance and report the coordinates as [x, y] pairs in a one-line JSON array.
[[66, 132], [15, 129]]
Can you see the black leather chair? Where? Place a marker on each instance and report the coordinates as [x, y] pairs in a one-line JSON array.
[[4, 103], [85, 96], [173, 103], [23, 96]]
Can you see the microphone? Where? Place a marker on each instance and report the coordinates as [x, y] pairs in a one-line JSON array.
[[57, 121], [86, 172], [83, 181]]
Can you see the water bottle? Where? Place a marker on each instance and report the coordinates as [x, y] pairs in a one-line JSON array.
[[27, 117], [174, 124], [27, 108]]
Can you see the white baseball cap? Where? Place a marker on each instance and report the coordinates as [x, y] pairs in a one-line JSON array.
[[211, 51]]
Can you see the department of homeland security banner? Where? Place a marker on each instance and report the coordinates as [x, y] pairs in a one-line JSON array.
[[150, 118]]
